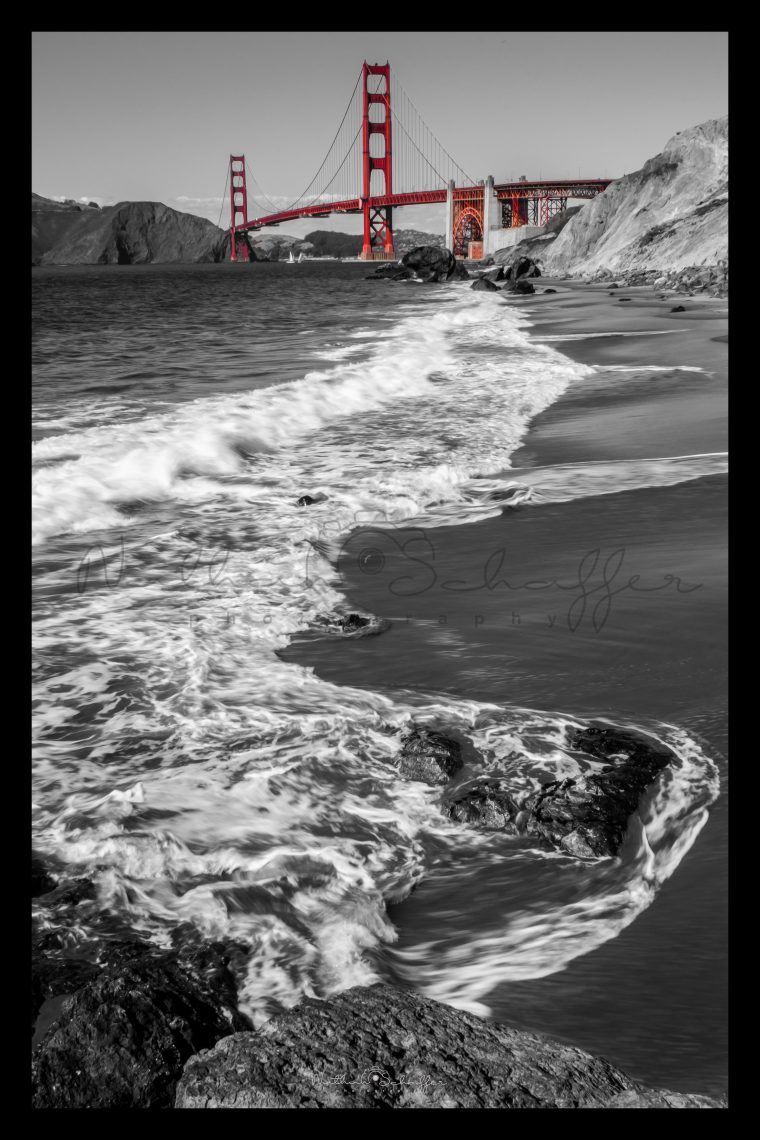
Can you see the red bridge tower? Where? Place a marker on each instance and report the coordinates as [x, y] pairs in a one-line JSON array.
[[378, 220], [238, 205]]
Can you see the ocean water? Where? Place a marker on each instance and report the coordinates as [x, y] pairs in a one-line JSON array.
[[209, 783]]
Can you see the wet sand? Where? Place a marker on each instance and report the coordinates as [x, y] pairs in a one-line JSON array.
[[653, 999]]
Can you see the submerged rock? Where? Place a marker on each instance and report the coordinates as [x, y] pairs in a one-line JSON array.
[[678, 309], [359, 625], [520, 287], [585, 816], [380, 1047], [550, 290], [429, 756], [488, 804], [309, 500], [121, 1040], [588, 815], [429, 263], [42, 880], [485, 285]]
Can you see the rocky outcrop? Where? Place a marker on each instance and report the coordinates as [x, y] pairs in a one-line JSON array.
[[135, 233], [42, 880], [585, 816], [52, 220], [380, 1047], [519, 286], [430, 263], [359, 625], [429, 756], [669, 216], [484, 285], [122, 1038]]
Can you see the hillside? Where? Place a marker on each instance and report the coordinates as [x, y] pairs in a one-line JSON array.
[[671, 214], [132, 233], [51, 221]]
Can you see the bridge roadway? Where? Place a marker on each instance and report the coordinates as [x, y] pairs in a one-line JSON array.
[[566, 188]]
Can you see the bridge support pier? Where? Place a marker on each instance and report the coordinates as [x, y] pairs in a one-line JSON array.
[[489, 214], [449, 232]]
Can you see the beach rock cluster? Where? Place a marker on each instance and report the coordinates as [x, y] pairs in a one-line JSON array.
[[122, 1037], [429, 756], [585, 816], [381, 1047], [430, 263]]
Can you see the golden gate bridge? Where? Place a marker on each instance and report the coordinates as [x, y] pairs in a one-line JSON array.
[[383, 157]]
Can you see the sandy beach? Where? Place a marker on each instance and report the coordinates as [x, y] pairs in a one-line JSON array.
[[500, 619]]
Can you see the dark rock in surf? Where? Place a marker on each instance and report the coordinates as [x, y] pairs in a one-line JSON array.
[[429, 756], [621, 299], [461, 272], [487, 804], [429, 263], [122, 1038], [382, 1047], [550, 290], [525, 267], [42, 880], [356, 625], [588, 815], [310, 500], [69, 892], [496, 274], [485, 285], [389, 269], [678, 309], [520, 286]]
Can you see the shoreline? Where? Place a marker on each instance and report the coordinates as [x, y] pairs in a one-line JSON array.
[[661, 657]]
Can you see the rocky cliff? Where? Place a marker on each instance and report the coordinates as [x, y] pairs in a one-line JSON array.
[[129, 233], [51, 221], [671, 214]]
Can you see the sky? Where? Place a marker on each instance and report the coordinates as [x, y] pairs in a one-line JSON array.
[[154, 116]]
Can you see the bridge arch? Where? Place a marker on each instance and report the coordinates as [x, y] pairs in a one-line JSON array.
[[468, 227]]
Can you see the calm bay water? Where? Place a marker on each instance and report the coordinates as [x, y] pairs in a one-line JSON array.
[[223, 766]]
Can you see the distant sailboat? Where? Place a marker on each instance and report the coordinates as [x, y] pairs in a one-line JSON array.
[[291, 259], [301, 257]]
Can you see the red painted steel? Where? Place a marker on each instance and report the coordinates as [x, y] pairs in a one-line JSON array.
[[559, 191], [238, 205], [378, 218]]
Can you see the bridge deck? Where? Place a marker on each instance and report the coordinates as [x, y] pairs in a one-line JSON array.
[[563, 188]]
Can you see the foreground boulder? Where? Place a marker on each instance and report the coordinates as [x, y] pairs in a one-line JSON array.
[[121, 1040], [359, 625], [485, 285], [430, 263], [521, 266], [586, 816], [379, 1047], [429, 756], [520, 286], [42, 880]]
